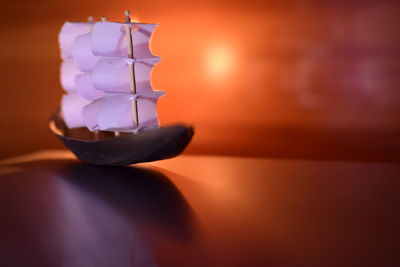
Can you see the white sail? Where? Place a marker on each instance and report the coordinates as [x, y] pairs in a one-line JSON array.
[[113, 74], [114, 112], [147, 107], [82, 54], [68, 71], [97, 71], [71, 109], [68, 33], [85, 89], [110, 39], [90, 113]]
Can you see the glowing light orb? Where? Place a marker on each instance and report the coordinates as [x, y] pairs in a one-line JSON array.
[[220, 61]]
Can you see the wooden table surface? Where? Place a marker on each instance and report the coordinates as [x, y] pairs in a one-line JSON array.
[[198, 211]]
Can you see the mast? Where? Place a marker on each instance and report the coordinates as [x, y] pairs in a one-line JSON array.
[[91, 19], [132, 79]]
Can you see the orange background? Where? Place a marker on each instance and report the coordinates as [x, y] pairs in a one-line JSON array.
[[310, 79]]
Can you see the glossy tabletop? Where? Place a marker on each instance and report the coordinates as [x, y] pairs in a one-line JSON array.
[[198, 211]]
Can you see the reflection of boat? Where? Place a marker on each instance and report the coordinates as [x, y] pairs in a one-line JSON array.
[[108, 116], [87, 215], [83, 225]]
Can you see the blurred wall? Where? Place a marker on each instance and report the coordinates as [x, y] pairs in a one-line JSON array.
[[254, 77]]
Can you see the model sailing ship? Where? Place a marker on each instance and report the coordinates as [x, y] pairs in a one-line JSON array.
[[108, 115]]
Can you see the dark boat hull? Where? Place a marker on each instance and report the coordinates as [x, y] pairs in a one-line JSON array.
[[106, 149]]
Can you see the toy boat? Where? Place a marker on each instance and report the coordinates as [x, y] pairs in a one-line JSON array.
[[108, 115]]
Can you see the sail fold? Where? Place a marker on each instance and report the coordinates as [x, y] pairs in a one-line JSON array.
[[113, 74], [71, 109], [111, 39], [68, 33], [85, 88], [90, 114], [82, 53], [114, 112], [68, 71]]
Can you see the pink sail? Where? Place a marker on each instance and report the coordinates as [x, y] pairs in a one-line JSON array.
[[68, 33], [112, 75], [141, 34], [90, 114], [85, 87], [114, 112], [110, 39], [82, 54], [147, 109], [143, 70], [71, 108], [68, 71], [97, 72]]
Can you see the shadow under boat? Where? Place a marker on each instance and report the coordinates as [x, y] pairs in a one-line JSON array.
[[87, 214], [106, 149], [137, 192]]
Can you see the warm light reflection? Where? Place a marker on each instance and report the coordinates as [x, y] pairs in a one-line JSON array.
[[49, 154], [219, 61], [135, 18]]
